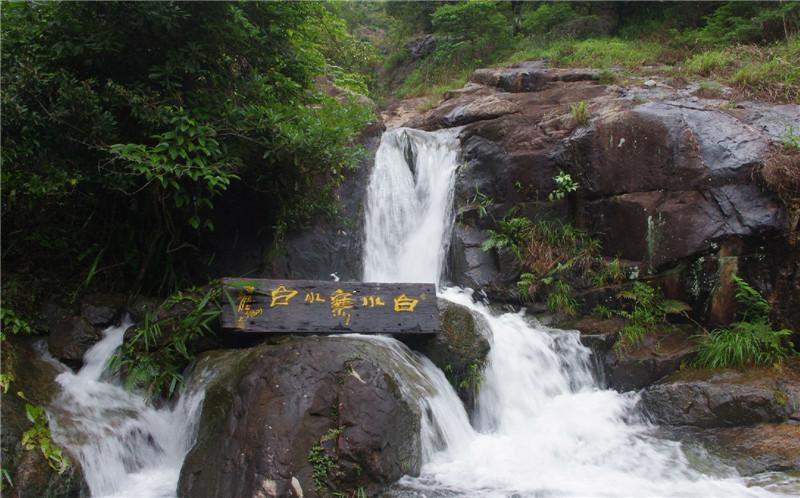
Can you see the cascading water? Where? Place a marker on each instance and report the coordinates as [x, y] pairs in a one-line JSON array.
[[126, 448], [543, 425], [409, 206]]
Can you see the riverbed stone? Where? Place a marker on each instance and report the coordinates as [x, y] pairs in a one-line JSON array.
[[725, 398], [29, 471], [303, 418], [70, 338]]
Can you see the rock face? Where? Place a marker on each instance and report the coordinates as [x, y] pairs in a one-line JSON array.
[[667, 180], [30, 473], [725, 398], [308, 417], [661, 353], [755, 449], [460, 349], [332, 245]]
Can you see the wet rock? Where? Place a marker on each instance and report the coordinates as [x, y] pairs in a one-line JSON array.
[[460, 349], [752, 449], [70, 338], [523, 77], [332, 245], [30, 473], [664, 146], [660, 227], [658, 356], [103, 310], [626, 369], [275, 414], [725, 398]]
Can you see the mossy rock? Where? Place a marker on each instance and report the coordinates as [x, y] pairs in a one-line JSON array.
[[460, 349]]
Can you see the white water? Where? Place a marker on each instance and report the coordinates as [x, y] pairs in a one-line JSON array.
[[127, 449], [543, 426], [409, 206]]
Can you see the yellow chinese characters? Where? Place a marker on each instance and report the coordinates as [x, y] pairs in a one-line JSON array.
[[245, 308], [281, 296], [405, 303], [372, 301], [342, 301], [314, 297]]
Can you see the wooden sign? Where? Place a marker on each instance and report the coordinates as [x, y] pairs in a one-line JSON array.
[[319, 307]]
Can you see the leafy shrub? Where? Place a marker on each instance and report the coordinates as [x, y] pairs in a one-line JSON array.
[[743, 344], [561, 299], [749, 341], [152, 359], [38, 437], [125, 123], [751, 22], [545, 17], [470, 31], [564, 182], [647, 311], [709, 62]]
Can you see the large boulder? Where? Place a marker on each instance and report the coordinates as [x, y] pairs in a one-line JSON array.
[[709, 398], [70, 338], [307, 417], [660, 353], [460, 349], [31, 475]]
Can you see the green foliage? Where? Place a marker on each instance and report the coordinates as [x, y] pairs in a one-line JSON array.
[[564, 182], [743, 344], [125, 124], [38, 437], [756, 308], [751, 22], [546, 17], [482, 202], [323, 464], [647, 311], [749, 341], [13, 324], [472, 379], [5, 479], [154, 357], [562, 299], [512, 233], [470, 31], [710, 62], [791, 140]]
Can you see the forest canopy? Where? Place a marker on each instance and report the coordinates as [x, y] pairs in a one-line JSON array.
[[124, 123]]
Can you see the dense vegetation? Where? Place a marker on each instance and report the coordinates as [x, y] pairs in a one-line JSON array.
[[125, 124], [750, 45], [129, 128]]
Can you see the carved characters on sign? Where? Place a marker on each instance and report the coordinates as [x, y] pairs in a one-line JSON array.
[[323, 307]]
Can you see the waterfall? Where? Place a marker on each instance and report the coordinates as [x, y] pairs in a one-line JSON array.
[[127, 449], [544, 427], [409, 206]]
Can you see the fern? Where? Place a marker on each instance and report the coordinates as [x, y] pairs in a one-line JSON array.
[[755, 306]]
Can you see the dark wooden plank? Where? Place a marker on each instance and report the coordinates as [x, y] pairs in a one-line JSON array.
[[323, 307]]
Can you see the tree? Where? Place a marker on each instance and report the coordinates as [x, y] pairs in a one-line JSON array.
[[123, 123]]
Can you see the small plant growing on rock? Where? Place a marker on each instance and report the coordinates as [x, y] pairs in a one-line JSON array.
[[482, 202], [791, 140], [562, 299], [647, 312], [750, 341], [564, 185], [579, 112]]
